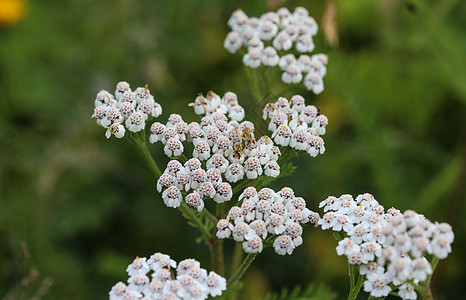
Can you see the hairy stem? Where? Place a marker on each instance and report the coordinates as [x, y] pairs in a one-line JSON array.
[[237, 256], [242, 269], [189, 214], [218, 243], [354, 292], [351, 275], [424, 288], [140, 143], [252, 78]]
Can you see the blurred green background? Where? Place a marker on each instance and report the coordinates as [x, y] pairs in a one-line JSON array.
[[76, 208]]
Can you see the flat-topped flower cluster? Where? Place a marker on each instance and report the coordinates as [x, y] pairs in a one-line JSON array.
[[190, 282], [296, 124], [390, 248], [267, 213], [271, 39], [225, 151], [126, 110]]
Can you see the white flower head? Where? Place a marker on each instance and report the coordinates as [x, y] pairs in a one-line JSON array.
[[216, 284], [253, 58], [118, 290], [172, 197], [234, 173], [377, 285], [406, 291], [135, 122], [224, 229], [253, 244], [305, 43], [138, 282], [116, 129], [441, 246], [242, 231], [283, 244], [195, 200], [270, 57], [235, 215], [292, 74], [314, 82], [173, 147], [347, 246], [104, 98], [233, 42]]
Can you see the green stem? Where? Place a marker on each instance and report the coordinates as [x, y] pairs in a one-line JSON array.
[[218, 243], [209, 216], [242, 185], [351, 275], [237, 256], [252, 78], [140, 143], [189, 214], [424, 288], [354, 292], [242, 269]]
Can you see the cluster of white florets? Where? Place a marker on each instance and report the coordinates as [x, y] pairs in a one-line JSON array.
[[267, 213], [389, 247], [127, 110], [211, 104], [225, 151], [296, 124], [191, 282], [270, 39]]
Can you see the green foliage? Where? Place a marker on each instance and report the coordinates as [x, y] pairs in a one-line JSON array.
[[311, 292]]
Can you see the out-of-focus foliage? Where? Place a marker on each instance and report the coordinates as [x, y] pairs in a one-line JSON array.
[[85, 206]]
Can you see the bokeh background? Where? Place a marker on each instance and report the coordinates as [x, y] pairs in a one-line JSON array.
[[76, 208]]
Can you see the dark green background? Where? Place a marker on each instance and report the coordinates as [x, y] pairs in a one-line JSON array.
[[78, 207]]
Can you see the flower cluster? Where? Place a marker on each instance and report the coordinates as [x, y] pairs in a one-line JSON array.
[[270, 40], [127, 108], [190, 282], [224, 151], [267, 212], [296, 124], [389, 247]]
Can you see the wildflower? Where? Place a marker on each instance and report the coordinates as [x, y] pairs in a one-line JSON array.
[[216, 284], [138, 266], [172, 197], [269, 57], [135, 122], [292, 74], [173, 147], [314, 82], [377, 285], [346, 246], [224, 192], [283, 245], [252, 58], [195, 200], [305, 44], [157, 130], [234, 173], [224, 229], [253, 244], [117, 291], [235, 215], [282, 135], [406, 291], [116, 129], [233, 42], [242, 231]]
